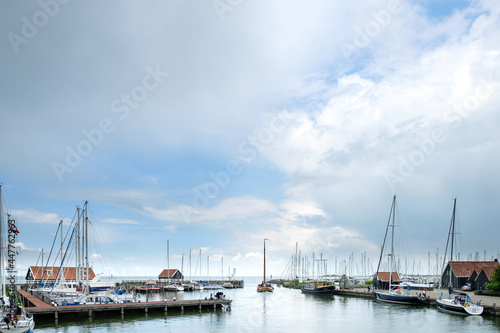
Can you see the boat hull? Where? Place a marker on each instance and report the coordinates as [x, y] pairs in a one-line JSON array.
[[388, 297], [457, 308], [265, 288], [318, 292]]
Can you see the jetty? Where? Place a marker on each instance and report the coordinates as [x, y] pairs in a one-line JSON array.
[[39, 308]]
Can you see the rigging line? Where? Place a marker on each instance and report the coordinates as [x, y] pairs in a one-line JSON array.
[[62, 262], [448, 241], [50, 254], [385, 236]]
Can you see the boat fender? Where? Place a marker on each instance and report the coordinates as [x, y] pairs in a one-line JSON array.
[[466, 304]]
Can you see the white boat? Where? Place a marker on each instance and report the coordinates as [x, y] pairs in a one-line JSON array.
[[15, 319], [396, 296], [457, 302], [212, 287], [173, 287]]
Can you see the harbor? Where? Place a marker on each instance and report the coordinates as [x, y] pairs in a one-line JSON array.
[[251, 311]]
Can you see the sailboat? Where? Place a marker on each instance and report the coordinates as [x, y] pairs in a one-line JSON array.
[[171, 286], [458, 302], [14, 318], [265, 286], [391, 295]]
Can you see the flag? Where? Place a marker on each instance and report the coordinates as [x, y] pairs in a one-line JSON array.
[[13, 227]]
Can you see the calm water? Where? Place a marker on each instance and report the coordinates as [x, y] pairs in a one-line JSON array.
[[285, 310]]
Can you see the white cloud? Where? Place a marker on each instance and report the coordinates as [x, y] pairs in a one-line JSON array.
[[119, 221], [34, 216]]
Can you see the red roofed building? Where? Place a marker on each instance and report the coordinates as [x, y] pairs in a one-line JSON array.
[[477, 273], [37, 273], [170, 275], [382, 280]]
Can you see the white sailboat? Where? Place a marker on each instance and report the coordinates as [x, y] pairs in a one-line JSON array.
[[15, 319], [170, 286], [457, 302]]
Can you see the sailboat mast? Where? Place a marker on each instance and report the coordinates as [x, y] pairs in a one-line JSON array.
[[264, 261], [168, 260], [392, 242], [86, 225], [452, 236]]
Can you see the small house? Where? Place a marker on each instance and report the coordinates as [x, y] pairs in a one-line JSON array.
[[170, 275], [381, 280]]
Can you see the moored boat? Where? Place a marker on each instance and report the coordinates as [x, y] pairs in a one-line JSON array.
[[460, 304], [457, 302], [396, 296], [14, 318], [263, 287], [319, 287]]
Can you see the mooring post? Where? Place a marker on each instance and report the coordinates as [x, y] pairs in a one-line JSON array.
[[122, 310], [215, 305], [199, 304], [146, 309], [182, 307], [56, 315], [165, 305], [90, 313]]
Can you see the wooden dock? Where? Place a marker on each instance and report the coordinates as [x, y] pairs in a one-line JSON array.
[[41, 309]]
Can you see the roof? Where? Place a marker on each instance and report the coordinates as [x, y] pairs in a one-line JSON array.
[[466, 268], [168, 273], [488, 271], [69, 272], [384, 276]]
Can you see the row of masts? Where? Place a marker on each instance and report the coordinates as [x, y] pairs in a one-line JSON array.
[[77, 238], [198, 265]]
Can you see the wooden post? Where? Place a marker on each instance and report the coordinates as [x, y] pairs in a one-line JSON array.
[[122, 310], [56, 315], [90, 313], [146, 309]]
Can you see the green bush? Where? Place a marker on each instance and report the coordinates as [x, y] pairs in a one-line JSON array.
[[368, 283], [495, 280]]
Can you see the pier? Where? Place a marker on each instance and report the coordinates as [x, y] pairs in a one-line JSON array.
[[39, 308], [132, 283]]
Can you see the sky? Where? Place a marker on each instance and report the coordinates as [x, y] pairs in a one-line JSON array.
[[214, 125]]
